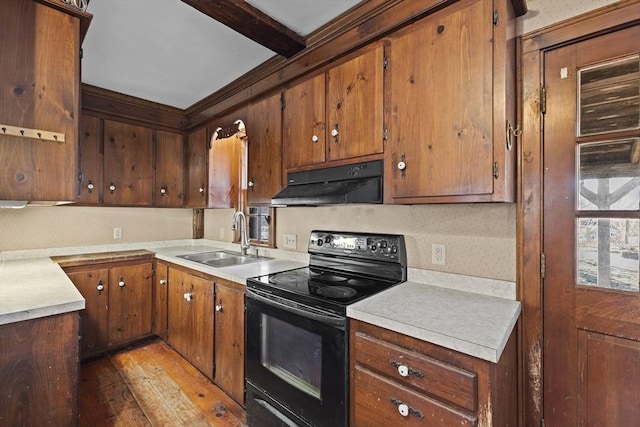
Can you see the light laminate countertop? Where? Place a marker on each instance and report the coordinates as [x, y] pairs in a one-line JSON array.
[[473, 324]]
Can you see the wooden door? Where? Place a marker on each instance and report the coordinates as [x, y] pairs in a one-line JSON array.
[[93, 285], [197, 168], [354, 106], [160, 295], [591, 220], [439, 105], [264, 132], [40, 87], [128, 164], [303, 121], [130, 302], [169, 173], [91, 160], [229, 346]]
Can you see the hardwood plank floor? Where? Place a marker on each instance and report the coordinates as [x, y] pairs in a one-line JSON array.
[[152, 385]]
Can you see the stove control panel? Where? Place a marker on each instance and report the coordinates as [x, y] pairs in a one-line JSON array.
[[364, 245]]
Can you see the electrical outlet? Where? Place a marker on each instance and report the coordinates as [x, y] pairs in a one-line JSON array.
[[117, 233], [221, 233], [438, 254], [289, 241]]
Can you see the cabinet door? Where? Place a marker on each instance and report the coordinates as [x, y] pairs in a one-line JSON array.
[[264, 130], [160, 295], [304, 126], [169, 177], [191, 319], [93, 285], [197, 168], [354, 106], [91, 160], [439, 90], [225, 164], [128, 164], [229, 347], [130, 302], [40, 87]]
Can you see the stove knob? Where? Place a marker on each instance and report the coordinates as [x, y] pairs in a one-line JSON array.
[[394, 249], [373, 247], [383, 244], [327, 239], [319, 242]]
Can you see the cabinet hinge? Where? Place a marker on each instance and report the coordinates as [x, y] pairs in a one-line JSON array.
[[80, 176], [496, 17], [543, 266], [543, 100], [542, 423], [495, 170], [385, 62], [283, 104], [385, 134]]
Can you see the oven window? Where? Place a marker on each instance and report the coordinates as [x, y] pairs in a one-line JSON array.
[[293, 354]]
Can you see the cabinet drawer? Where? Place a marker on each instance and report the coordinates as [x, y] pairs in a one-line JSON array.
[[430, 375], [377, 402]]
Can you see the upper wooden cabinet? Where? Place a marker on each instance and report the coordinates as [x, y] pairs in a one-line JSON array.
[[450, 98], [169, 170], [40, 86], [128, 164], [91, 160], [336, 115], [264, 132], [197, 168]]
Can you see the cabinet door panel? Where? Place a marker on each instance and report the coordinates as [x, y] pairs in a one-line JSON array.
[[169, 177], [440, 105], [354, 106], [130, 302], [91, 160], [264, 130], [197, 168], [160, 295], [304, 123], [229, 348], [94, 317], [128, 165]]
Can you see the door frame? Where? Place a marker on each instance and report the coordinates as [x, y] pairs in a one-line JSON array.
[[529, 245]]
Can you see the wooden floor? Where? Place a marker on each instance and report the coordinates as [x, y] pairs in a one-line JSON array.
[[152, 385]]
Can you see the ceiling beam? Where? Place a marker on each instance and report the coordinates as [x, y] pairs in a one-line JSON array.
[[252, 23]]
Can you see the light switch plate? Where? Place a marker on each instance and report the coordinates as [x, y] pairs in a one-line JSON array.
[[117, 233], [289, 241], [438, 254]]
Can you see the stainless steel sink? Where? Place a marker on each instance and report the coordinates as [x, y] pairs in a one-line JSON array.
[[222, 258]]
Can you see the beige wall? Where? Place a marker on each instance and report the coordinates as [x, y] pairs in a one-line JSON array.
[[543, 13]]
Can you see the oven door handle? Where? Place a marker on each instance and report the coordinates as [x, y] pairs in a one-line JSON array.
[[273, 411], [324, 318]]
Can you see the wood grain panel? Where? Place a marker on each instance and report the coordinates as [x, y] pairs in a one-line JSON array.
[[160, 296], [197, 176], [91, 160], [39, 371], [169, 170], [130, 306]]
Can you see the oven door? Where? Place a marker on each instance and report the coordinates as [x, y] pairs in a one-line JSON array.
[[296, 357]]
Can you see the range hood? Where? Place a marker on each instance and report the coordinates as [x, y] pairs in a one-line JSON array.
[[355, 183]]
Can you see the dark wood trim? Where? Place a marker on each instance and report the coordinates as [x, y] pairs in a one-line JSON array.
[[110, 104], [530, 188], [198, 224], [85, 17], [252, 23]]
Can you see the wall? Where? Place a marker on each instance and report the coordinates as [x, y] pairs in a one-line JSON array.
[[543, 13], [37, 227]]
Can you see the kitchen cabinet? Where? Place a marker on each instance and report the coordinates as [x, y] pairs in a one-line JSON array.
[[450, 98], [128, 164], [197, 148], [399, 379], [229, 338], [91, 160], [169, 169], [337, 115], [39, 371], [160, 300], [264, 132], [118, 295], [40, 86], [190, 318]]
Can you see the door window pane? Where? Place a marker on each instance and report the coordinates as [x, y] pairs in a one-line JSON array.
[[609, 97], [608, 253], [609, 175]]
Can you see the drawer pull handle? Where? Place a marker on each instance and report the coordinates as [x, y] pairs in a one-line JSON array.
[[406, 410], [405, 370]]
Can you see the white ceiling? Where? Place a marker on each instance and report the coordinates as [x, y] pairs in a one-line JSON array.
[[168, 52]]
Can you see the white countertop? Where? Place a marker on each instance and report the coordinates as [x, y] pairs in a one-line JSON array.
[[35, 288], [473, 324]]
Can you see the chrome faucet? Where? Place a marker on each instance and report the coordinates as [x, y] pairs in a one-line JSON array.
[[244, 239]]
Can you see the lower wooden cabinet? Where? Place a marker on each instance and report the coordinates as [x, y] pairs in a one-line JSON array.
[[160, 297], [206, 326], [399, 379], [117, 288], [39, 371]]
